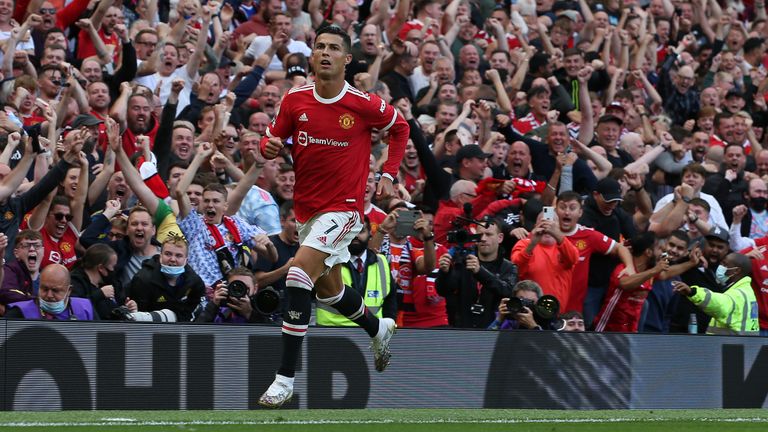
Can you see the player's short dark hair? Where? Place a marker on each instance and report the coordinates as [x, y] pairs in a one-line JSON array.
[[642, 242], [338, 31]]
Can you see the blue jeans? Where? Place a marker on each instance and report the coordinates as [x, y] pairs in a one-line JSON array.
[[763, 332]]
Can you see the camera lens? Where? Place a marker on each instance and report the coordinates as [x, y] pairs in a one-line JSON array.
[[237, 289], [267, 301]]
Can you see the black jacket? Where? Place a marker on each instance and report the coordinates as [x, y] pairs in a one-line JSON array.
[[151, 291], [618, 224], [459, 287], [95, 234], [103, 306], [728, 194]]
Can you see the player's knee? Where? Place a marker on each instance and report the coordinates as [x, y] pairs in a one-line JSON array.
[[298, 278]]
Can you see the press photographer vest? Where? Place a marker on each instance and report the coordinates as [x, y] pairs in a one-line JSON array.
[[376, 290], [223, 255]]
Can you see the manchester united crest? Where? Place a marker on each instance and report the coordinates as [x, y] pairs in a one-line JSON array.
[[581, 245], [346, 121], [8, 215]]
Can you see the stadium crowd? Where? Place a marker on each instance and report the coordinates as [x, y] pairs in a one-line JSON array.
[[610, 154]]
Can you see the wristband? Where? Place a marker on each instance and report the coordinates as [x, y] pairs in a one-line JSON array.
[[388, 176], [429, 238], [636, 189]]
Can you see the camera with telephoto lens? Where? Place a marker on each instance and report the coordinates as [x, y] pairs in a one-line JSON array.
[[544, 310], [235, 290], [266, 301], [463, 241]]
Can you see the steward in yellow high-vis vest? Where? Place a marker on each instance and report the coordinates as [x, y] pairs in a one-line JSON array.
[[375, 284], [733, 312]]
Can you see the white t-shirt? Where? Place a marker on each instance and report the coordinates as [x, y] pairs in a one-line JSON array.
[[23, 45], [261, 43], [716, 216], [418, 80], [151, 81]]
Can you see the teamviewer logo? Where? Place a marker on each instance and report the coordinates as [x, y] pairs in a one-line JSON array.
[[302, 138]]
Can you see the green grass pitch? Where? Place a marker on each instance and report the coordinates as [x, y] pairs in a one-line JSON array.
[[390, 420]]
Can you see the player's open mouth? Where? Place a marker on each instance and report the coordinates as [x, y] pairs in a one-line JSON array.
[[325, 63], [210, 214]]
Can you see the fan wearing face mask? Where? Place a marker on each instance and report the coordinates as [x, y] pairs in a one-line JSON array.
[[733, 312], [94, 279], [750, 221], [166, 289], [54, 300]]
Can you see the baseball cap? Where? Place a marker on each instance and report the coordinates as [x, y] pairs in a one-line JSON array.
[[615, 106], [719, 234], [85, 120], [607, 118], [471, 151], [610, 189], [295, 70]]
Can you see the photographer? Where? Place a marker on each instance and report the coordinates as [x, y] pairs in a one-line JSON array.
[[525, 290], [227, 306], [473, 285]]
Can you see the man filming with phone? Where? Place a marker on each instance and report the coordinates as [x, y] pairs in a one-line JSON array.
[[474, 284], [394, 239]]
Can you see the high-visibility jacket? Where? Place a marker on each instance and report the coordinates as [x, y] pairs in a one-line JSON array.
[[732, 312], [377, 288]]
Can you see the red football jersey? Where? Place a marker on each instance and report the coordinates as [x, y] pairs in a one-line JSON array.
[[61, 251], [587, 241], [332, 146], [622, 308], [760, 282]]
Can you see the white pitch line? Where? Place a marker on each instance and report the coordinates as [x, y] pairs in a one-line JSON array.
[[130, 422]]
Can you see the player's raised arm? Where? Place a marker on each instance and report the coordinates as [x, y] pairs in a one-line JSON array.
[[399, 130]]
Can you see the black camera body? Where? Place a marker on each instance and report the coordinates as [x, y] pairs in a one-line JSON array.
[[544, 310], [464, 241]]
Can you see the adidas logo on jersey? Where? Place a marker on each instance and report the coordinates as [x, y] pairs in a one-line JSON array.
[[322, 239], [303, 117]]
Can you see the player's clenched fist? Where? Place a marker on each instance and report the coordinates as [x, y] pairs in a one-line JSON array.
[[272, 148]]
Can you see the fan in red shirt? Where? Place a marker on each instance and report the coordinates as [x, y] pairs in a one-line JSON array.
[[626, 294], [330, 124], [760, 278], [588, 241], [538, 101]]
